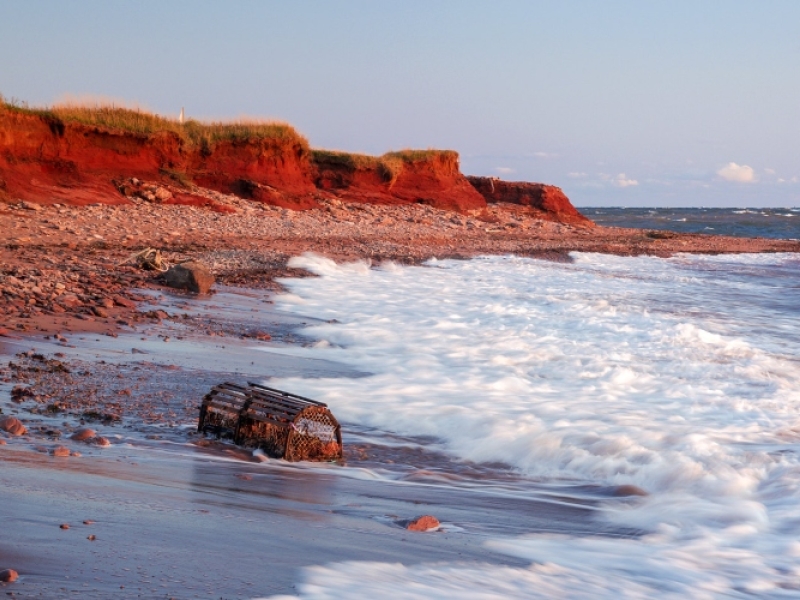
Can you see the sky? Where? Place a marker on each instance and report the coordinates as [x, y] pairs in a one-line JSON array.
[[620, 103]]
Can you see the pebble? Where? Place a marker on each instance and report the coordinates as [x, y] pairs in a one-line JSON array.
[[12, 425], [64, 526], [62, 451], [81, 435], [629, 490], [423, 523]]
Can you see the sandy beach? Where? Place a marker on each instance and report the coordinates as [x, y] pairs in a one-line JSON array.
[[97, 343]]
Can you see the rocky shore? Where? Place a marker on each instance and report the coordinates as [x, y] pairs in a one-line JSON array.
[[102, 374], [60, 263]]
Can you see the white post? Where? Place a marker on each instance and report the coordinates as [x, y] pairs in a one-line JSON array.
[[181, 117]]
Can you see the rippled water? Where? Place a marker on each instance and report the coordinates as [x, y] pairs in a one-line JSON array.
[[781, 223], [679, 376]]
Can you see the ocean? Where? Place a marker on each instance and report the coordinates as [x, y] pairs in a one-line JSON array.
[[676, 380], [780, 223]]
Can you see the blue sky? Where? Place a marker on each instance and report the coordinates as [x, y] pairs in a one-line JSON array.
[[620, 103]]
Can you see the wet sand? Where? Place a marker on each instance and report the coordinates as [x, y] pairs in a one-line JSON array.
[[177, 516]]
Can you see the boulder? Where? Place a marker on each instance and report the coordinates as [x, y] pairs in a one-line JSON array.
[[12, 425], [192, 276]]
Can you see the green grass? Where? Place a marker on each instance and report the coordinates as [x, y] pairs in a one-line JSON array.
[[194, 133], [388, 165], [409, 155], [206, 135]]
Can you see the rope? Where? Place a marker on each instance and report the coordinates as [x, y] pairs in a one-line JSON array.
[[149, 259]]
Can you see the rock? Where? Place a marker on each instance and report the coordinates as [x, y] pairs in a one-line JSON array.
[[549, 200], [123, 302], [423, 523], [91, 537], [81, 435], [88, 522], [12, 425], [191, 276], [30, 206], [99, 441], [64, 526], [629, 490], [162, 194], [8, 575], [2, 442], [62, 451]]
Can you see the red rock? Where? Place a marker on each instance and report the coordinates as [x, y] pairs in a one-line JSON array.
[[8, 576], [429, 177], [81, 435], [99, 441], [64, 526], [12, 425], [548, 200], [61, 451], [629, 490], [124, 302], [423, 523]]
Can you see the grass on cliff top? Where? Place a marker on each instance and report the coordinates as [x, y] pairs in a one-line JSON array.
[[196, 133], [388, 165]]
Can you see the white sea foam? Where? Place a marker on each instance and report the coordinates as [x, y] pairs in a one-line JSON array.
[[674, 375]]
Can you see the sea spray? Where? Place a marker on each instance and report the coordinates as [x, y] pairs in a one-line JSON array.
[[680, 376]]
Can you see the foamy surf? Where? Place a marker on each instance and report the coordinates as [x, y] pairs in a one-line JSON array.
[[678, 376]]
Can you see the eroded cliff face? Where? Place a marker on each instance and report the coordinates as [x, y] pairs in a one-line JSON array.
[[426, 177], [47, 160], [547, 200], [44, 160]]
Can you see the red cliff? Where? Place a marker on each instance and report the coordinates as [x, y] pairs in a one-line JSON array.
[[548, 201], [407, 177], [80, 155]]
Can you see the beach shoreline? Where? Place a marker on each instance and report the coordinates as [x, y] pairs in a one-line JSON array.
[[156, 492]]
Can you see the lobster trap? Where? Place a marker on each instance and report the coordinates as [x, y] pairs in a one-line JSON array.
[[283, 425]]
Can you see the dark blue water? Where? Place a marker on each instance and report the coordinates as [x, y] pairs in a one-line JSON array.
[[780, 223]]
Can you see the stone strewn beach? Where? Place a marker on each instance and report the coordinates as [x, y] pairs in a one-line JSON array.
[[58, 260]]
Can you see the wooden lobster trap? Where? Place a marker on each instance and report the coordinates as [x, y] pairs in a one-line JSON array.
[[283, 425]]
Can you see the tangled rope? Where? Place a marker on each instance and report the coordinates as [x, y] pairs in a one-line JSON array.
[[149, 259]]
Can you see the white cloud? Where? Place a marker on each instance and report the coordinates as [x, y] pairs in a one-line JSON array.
[[737, 173], [576, 175], [622, 181], [769, 171], [545, 155], [504, 170]]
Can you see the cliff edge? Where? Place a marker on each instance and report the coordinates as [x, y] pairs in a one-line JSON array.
[[548, 201], [80, 155]]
